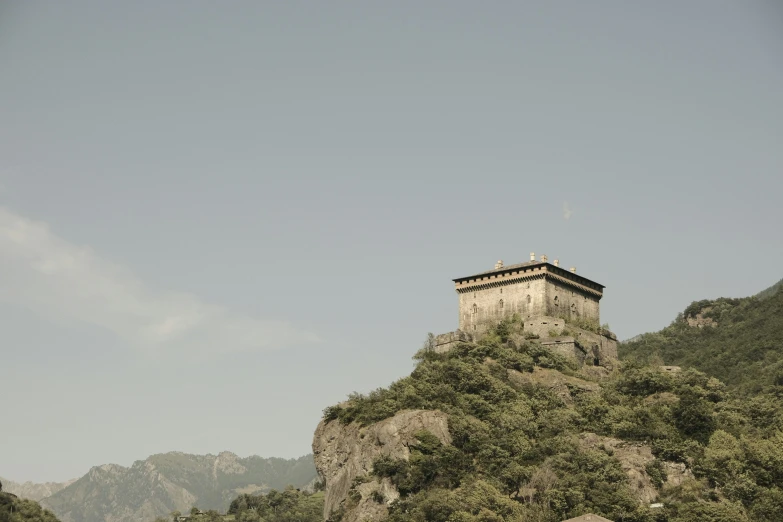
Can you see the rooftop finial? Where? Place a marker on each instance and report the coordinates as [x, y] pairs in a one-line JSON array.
[[573, 269], [556, 262], [532, 256], [499, 264], [544, 258]]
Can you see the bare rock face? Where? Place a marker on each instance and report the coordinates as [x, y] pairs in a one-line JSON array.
[[345, 453], [699, 321]]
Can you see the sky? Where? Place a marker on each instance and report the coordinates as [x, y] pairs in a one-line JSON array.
[[219, 218]]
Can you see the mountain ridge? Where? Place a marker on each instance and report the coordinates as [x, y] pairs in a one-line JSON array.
[[165, 482], [34, 490]]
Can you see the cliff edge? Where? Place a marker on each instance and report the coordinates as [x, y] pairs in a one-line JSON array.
[[344, 456]]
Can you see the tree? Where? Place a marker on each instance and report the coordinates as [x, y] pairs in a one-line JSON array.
[[429, 343]]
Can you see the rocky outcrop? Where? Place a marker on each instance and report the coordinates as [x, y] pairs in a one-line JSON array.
[[700, 321], [344, 455], [558, 382], [633, 458]]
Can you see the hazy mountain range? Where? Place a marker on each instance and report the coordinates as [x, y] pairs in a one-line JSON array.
[[32, 490], [164, 483]]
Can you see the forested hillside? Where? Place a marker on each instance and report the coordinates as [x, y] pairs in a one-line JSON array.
[[15, 509], [533, 438], [289, 505], [739, 341]]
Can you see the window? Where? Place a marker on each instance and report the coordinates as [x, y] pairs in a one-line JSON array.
[[475, 309], [501, 290], [501, 304], [557, 303], [528, 299]]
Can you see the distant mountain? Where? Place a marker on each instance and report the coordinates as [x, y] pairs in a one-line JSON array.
[[172, 481], [33, 491], [739, 341]]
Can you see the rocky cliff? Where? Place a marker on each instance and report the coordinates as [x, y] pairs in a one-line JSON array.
[[344, 456]]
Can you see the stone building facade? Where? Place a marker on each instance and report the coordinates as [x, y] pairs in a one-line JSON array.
[[538, 291]]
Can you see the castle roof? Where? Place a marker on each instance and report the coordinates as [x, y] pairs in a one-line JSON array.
[[543, 267]]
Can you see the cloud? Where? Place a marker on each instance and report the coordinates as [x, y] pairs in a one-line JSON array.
[[68, 283], [567, 212]]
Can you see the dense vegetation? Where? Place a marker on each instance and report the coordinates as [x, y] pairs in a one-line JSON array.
[[14, 509], [289, 505], [519, 452], [744, 350]]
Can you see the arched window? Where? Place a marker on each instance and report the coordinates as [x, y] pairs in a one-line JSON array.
[[573, 309], [501, 304], [528, 299], [475, 309], [557, 303]]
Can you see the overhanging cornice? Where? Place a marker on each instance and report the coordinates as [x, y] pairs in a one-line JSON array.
[[494, 281]]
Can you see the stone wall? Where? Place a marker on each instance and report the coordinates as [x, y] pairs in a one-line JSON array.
[[535, 296], [600, 348], [445, 342], [544, 326], [481, 308], [565, 346], [563, 300]]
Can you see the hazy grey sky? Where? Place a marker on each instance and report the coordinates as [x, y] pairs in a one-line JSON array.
[[218, 218]]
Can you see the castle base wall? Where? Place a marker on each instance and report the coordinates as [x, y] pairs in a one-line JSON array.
[[584, 347], [445, 342]]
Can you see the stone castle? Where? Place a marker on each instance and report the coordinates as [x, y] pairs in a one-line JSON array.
[[557, 305]]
